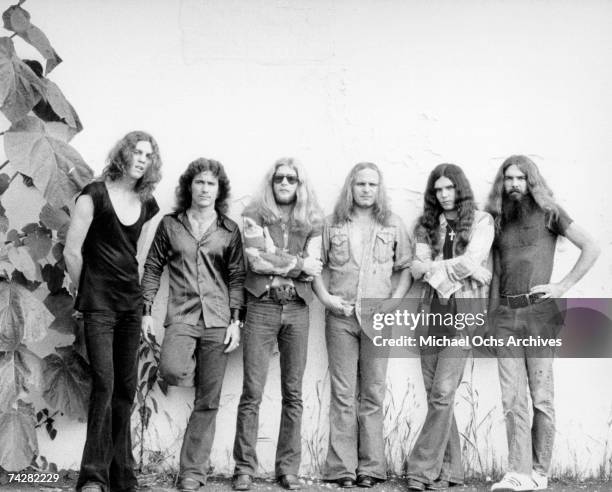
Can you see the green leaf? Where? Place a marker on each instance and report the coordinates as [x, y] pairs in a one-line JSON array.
[[16, 19], [54, 276], [23, 261], [61, 305], [38, 241], [37, 38], [19, 444], [4, 222], [20, 372], [67, 383], [23, 318], [20, 88], [60, 106], [57, 170], [56, 219], [5, 179]]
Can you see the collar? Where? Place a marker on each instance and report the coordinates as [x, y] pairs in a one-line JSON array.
[[222, 221]]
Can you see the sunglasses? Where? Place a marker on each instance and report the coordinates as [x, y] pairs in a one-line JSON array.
[[279, 178]]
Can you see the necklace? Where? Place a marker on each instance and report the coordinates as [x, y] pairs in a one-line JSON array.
[[452, 232]]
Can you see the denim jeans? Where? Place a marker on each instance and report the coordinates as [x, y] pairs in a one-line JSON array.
[[522, 369], [268, 322], [437, 451], [184, 348], [112, 340], [357, 377]]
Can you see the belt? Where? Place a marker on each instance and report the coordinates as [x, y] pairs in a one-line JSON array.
[[282, 295], [520, 300]]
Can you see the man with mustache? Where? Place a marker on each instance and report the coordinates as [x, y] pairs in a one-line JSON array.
[[282, 236], [363, 244], [528, 222], [202, 248]]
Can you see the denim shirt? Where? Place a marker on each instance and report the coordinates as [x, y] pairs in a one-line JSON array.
[[206, 276], [389, 249]]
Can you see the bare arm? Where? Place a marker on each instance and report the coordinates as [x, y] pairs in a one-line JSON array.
[[82, 216], [403, 284], [494, 289], [589, 251]]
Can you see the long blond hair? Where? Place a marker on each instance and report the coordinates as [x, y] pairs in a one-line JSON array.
[[345, 204], [306, 213]]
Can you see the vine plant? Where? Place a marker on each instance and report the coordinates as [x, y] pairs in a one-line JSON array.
[[35, 293], [36, 296]]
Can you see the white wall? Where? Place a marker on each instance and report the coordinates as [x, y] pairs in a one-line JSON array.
[[406, 84]]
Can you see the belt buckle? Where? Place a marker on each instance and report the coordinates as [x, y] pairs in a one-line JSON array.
[[520, 301]]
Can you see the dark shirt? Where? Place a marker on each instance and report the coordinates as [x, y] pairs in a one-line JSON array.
[[526, 250], [109, 277], [449, 306], [206, 276]]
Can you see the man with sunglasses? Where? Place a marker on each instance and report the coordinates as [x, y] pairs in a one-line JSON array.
[[282, 238]]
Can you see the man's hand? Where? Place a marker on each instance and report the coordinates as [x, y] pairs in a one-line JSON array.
[[482, 275], [146, 328], [232, 337], [554, 291], [312, 266], [419, 268], [339, 306]]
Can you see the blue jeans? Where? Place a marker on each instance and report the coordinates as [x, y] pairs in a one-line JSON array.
[[436, 455], [268, 323], [522, 369], [187, 348], [356, 444], [112, 340]]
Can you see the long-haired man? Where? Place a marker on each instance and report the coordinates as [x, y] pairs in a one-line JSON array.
[[100, 255], [282, 236], [453, 242], [202, 249], [528, 222], [363, 244]]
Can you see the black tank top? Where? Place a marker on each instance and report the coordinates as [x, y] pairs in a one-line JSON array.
[[109, 277]]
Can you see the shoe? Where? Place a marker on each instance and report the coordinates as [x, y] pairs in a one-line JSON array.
[[289, 482], [242, 482], [346, 482], [366, 481], [439, 485], [91, 487], [188, 484], [414, 484], [540, 480], [514, 482]]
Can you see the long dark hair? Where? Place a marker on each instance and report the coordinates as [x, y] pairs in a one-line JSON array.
[[428, 224], [183, 190], [120, 158], [536, 185]]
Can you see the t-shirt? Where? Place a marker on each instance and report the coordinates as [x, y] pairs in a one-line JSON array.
[[109, 277], [526, 250]]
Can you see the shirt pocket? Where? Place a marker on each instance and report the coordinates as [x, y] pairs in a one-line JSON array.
[[339, 249], [383, 246]]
